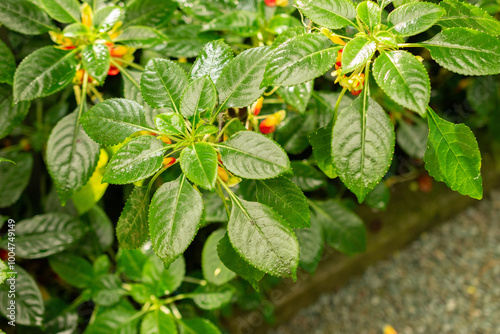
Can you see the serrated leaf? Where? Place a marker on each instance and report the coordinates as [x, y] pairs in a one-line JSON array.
[[282, 195], [14, 178], [370, 14], [210, 297], [211, 60], [163, 281], [140, 37], [205, 129], [333, 14], [106, 17], [29, 307], [112, 121], [306, 177], [44, 72], [76, 30], [362, 145], [171, 124], [386, 38], [356, 52], [297, 96], [288, 34], [404, 79], [163, 83], [138, 159], [75, 270], [279, 23], [95, 59], [412, 138], [414, 18], [462, 14], [71, 156], [214, 210], [199, 97], [453, 156], [214, 270], [311, 245], [158, 322], [198, 325], [117, 319], [379, 197], [132, 227], [131, 262], [253, 156], [107, 290], [199, 164], [46, 234], [153, 13], [263, 238], [322, 150], [174, 218], [7, 64], [65, 11], [24, 17], [300, 59], [465, 51], [238, 83], [11, 114]]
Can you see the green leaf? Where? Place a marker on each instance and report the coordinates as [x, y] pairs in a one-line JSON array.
[[386, 38], [253, 156], [362, 145], [96, 60], [322, 150], [117, 319], [311, 242], [174, 218], [107, 290], [370, 14], [205, 129], [333, 14], [184, 40], [4, 272], [163, 281], [211, 60], [297, 96], [158, 322], [6, 160], [140, 37], [465, 51], [300, 59], [47, 234], [65, 11], [292, 132], [101, 265], [414, 18], [282, 195], [132, 227], [462, 14], [11, 114], [131, 262], [171, 124], [412, 138], [404, 79], [306, 177], [214, 211], [282, 22], [112, 121], [238, 83], [163, 83], [106, 17], [214, 270], [7, 64], [75, 270], [44, 72], [102, 227], [138, 159], [288, 34], [210, 297], [379, 197], [152, 13], [76, 30], [198, 325], [241, 22], [356, 52], [263, 238], [453, 157], [24, 17], [343, 229], [29, 308], [199, 163], [14, 178], [71, 156], [199, 96], [233, 261]]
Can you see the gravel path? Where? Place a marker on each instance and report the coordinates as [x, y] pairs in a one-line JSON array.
[[448, 281]]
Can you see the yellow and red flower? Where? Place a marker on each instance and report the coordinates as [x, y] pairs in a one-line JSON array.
[[268, 125]]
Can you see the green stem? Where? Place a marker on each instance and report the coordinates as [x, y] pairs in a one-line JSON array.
[[410, 45], [129, 63], [125, 72], [221, 195], [221, 132], [337, 104], [194, 280]]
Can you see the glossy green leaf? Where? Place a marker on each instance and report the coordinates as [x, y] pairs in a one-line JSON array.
[[362, 145], [412, 138], [241, 22], [205, 129], [465, 51], [263, 238], [140, 37], [107, 290], [29, 307], [199, 97], [74, 270], [300, 59], [71, 156], [106, 17], [281, 22], [14, 178], [198, 325], [385, 37], [158, 322], [102, 227], [213, 209], [356, 52], [152, 13], [44, 72], [311, 245], [282, 195], [132, 227], [453, 156], [211, 60], [253, 156], [11, 115], [462, 14], [184, 40], [333, 14], [292, 132], [161, 280], [306, 177], [47, 234], [131, 262], [238, 83], [112, 121], [288, 34], [370, 14], [163, 83], [214, 270], [65, 11], [138, 159], [414, 18], [76, 30], [379, 197], [211, 297], [199, 164], [171, 124], [404, 79], [322, 150], [7, 64], [174, 218], [117, 319], [24, 17], [343, 229], [95, 59], [297, 96]]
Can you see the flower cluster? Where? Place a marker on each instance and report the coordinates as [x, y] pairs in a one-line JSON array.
[[353, 83]]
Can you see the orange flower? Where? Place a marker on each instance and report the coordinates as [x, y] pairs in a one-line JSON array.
[[268, 125], [168, 161], [222, 174], [165, 139], [257, 106]]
